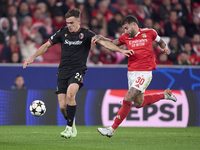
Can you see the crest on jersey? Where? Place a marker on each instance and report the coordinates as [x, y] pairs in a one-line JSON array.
[[81, 35], [65, 35], [144, 35]]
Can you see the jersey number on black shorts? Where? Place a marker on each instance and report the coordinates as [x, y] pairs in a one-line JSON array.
[[78, 76]]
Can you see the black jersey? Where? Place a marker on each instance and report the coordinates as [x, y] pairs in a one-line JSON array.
[[75, 49]]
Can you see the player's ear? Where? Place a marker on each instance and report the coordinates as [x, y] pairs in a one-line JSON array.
[[134, 24]]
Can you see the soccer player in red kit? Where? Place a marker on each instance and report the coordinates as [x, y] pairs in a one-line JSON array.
[[140, 66]]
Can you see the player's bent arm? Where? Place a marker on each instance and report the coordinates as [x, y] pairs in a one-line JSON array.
[[39, 52], [162, 45]]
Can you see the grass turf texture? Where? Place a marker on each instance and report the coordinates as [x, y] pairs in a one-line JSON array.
[[88, 138]]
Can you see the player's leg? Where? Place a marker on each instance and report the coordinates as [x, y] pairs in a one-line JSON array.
[[71, 107], [62, 100], [71, 103], [75, 83], [61, 93], [137, 82], [143, 100], [70, 130], [122, 113]]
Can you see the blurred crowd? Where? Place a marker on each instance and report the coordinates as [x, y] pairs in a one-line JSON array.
[[27, 24]]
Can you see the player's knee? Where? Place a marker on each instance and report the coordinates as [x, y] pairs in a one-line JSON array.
[[137, 105], [70, 97]]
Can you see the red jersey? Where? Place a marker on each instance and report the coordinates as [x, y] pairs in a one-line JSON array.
[[194, 59], [143, 59]]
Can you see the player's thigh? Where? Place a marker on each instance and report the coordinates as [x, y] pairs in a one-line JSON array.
[[76, 78], [139, 80], [132, 94], [75, 82]]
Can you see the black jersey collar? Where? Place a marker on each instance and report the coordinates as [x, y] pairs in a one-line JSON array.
[[76, 32]]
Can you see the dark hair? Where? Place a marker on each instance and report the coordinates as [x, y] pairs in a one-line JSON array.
[[196, 34], [129, 19], [183, 52], [188, 42], [173, 10], [17, 76], [173, 36], [12, 34], [118, 13], [12, 6], [73, 13], [28, 39], [59, 13]]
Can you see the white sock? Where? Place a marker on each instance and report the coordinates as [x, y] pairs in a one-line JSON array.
[[70, 128], [111, 128]]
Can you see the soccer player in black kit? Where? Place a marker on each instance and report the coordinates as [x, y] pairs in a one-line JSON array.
[[75, 44]]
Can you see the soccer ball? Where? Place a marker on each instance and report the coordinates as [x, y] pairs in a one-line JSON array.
[[37, 108]]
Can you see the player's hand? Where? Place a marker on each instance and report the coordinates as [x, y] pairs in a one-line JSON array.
[[96, 39], [127, 53], [166, 51], [27, 62]]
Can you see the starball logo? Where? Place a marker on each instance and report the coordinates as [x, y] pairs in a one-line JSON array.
[[73, 42]]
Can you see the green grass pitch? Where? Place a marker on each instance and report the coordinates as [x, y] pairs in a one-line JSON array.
[[125, 138]]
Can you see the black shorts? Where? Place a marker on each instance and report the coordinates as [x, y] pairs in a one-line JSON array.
[[62, 84]]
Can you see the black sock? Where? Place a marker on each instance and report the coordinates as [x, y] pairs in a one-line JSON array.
[[66, 116], [70, 114]]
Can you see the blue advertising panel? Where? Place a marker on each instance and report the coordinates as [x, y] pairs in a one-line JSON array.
[[106, 77]]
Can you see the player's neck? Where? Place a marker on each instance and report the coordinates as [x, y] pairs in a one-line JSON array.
[[136, 33], [77, 29]]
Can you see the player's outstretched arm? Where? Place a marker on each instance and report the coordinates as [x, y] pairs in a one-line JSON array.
[[111, 45], [96, 38], [39, 52]]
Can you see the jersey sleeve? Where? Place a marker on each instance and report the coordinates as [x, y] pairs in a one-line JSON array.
[[121, 39], [55, 38], [90, 34], [156, 37]]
